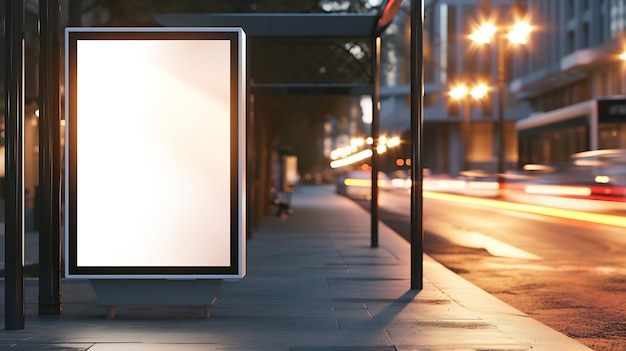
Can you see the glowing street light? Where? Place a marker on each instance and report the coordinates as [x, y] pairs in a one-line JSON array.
[[476, 92], [458, 92], [350, 154], [462, 92], [520, 31], [480, 91], [484, 34]]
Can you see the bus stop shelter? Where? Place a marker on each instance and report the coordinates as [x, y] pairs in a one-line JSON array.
[[287, 54]]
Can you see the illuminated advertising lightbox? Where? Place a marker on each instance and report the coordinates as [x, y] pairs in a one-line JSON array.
[[289, 176], [155, 153]]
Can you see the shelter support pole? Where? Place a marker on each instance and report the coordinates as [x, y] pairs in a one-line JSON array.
[[417, 126], [14, 165], [375, 136], [48, 202]]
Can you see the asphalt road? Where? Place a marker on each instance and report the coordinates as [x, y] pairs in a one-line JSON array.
[[568, 274]]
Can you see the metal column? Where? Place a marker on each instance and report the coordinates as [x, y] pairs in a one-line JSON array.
[[14, 165], [417, 125], [375, 136], [49, 190]]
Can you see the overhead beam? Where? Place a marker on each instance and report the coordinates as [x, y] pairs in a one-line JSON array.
[[280, 24]]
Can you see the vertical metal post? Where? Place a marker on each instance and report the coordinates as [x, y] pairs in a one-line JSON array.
[[500, 125], [14, 165], [49, 190], [375, 137], [417, 123], [466, 132], [252, 155]]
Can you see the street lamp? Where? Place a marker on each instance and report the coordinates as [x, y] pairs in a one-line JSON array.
[[462, 93], [518, 34], [479, 91]]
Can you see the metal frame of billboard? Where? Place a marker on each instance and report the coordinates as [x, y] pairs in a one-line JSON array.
[[105, 243]]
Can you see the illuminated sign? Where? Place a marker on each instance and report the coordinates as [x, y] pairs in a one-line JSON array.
[[155, 153], [289, 174]]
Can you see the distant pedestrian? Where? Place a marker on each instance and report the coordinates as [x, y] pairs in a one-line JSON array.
[[283, 209]]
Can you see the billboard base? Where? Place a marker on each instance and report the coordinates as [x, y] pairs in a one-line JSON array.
[[197, 292]]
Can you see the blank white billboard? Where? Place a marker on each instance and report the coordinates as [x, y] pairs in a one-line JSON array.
[[155, 153]]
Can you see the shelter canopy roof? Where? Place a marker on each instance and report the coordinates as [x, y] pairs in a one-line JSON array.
[[281, 24]]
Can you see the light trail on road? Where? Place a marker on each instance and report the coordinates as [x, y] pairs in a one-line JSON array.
[[599, 218]]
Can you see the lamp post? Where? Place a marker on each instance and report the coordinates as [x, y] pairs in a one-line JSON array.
[[517, 34], [462, 93], [500, 168]]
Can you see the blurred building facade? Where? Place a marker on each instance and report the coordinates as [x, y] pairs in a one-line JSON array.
[[576, 62], [574, 53], [571, 56]]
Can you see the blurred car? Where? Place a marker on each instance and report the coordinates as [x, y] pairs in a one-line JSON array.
[[590, 175], [358, 184]]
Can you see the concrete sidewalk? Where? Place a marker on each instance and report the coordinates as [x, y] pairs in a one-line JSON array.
[[313, 283]]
